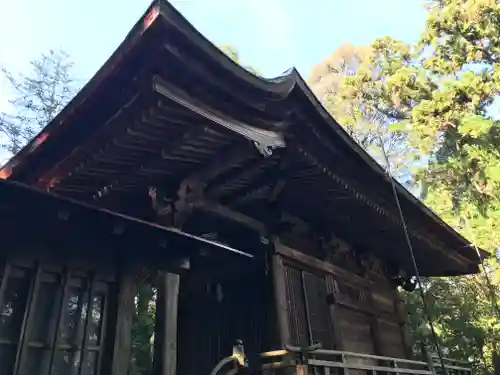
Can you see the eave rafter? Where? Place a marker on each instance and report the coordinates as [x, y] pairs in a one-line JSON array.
[[261, 168], [152, 162], [122, 149], [324, 168], [227, 159]]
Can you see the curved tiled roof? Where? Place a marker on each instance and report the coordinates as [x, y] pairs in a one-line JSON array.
[[166, 67]]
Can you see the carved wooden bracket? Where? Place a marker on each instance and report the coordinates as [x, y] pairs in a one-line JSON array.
[[373, 265], [339, 252]]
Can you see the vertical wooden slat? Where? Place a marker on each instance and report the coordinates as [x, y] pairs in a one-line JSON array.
[[169, 353], [4, 281], [102, 332], [306, 306], [22, 349], [123, 323], [296, 307], [317, 307], [60, 318], [279, 284], [88, 317]]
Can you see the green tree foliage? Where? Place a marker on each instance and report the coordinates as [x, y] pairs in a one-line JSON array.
[[143, 330], [436, 98], [366, 125], [36, 97]]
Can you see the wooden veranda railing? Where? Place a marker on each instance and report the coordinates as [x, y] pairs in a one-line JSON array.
[[335, 362], [453, 366]]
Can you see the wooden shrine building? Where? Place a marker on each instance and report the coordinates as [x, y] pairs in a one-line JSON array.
[[68, 274], [239, 195]]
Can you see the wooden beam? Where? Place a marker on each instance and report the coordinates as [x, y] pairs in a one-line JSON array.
[[319, 265], [124, 313], [268, 138], [192, 188], [227, 213], [200, 277]]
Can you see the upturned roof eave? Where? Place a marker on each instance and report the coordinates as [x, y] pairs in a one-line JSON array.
[[289, 87]]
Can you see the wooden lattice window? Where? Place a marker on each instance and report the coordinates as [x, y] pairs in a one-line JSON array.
[[308, 313], [51, 322]]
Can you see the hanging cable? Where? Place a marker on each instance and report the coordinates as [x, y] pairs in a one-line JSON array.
[[412, 256]]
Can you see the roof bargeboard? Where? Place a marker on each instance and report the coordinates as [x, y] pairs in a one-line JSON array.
[[168, 106]]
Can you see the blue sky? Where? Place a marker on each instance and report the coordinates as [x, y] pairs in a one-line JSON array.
[[270, 35]]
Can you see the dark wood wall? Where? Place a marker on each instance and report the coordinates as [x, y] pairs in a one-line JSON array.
[[214, 316], [329, 303], [61, 317]]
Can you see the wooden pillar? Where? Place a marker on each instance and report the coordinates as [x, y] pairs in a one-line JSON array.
[[124, 313], [375, 331], [374, 324], [337, 330], [332, 308], [165, 350], [278, 274]]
